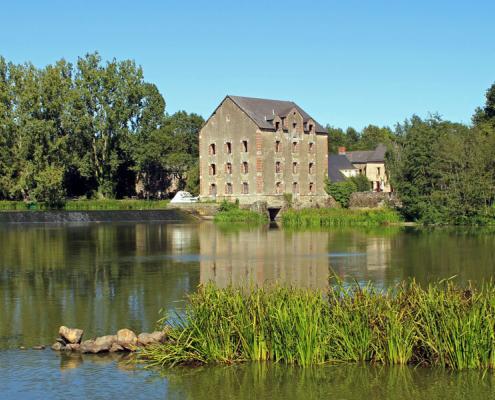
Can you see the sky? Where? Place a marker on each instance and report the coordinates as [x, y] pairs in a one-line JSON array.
[[347, 63]]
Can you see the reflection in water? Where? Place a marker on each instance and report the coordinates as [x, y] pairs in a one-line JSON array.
[[106, 276], [354, 381], [263, 256]]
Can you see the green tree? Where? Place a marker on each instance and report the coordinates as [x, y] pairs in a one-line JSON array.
[[341, 191]]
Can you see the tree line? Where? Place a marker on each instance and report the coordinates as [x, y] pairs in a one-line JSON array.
[[442, 171], [90, 129]]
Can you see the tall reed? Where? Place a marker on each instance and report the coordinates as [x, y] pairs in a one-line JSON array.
[[331, 217], [440, 325]]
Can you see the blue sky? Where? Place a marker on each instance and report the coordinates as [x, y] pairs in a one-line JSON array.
[[347, 63]]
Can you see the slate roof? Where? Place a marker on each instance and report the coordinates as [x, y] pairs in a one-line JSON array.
[[365, 156], [262, 111], [336, 163]]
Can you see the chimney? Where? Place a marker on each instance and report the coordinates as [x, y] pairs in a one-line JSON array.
[[342, 150]]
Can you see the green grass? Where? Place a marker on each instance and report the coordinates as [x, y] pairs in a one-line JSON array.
[[230, 213], [88, 205], [331, 217], [440, 325]]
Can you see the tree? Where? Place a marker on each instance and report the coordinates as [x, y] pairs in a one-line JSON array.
[[341, 191]]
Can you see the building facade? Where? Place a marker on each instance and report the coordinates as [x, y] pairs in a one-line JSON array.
[[257, 149], [371, 163]]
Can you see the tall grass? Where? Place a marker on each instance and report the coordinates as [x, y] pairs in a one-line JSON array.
[[440, 325], [231, 213], [87, 205], [331, 217]]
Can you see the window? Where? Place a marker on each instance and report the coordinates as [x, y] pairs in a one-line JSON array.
[[311, 187], [245, 168], [294, 125], [213, 189], [295, 188], [294, 147], [378, 171], [244, 146], [278, 188], [311, 168], [228, 168], [311, 147], [277, 125], [245, 188], [278, 167], [213, 169], [278, 146], [212, 150], [310, 127], [228, 148], [294, 168], [228, 188]]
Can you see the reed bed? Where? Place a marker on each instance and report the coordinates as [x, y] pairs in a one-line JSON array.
[[440, 325], [332, 217], [231, 213]]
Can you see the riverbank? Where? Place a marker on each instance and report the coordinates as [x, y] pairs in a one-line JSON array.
[[440, 325], [86, 205]]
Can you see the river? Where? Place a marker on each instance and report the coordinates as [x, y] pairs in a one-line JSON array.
[[105, 276]]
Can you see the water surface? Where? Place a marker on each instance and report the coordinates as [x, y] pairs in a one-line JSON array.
[[105, 276]]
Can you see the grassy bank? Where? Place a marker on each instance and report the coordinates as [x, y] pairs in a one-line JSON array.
[[441, 325], [231, 213], [87, 205], [329, 217]]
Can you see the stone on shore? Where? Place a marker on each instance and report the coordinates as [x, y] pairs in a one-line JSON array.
[[40, 347], [127, 339], [70, 335]]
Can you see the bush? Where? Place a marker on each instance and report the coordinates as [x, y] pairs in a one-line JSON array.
[[231, 213], [363, 184]]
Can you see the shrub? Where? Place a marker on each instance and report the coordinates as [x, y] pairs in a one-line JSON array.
[[341, 191]]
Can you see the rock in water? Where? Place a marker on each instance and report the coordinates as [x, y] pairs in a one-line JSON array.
[[73, 347], [104, 343], [70, 335], [146, 339], [127, 339], [40, 347], [159, 336], [115, 348], [88, 346], [57, 346]]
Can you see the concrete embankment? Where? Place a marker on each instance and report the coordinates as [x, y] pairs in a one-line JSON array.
[[172, 214]]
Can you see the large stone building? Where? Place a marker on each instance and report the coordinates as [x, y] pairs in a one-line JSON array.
[[256, 149]]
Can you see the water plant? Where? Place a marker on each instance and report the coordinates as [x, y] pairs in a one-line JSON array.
[[331, 217], [231, 213], [439, 325]]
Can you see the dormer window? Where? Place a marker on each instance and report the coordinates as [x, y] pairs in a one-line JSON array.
[[277, 125], [294, 125], [311, 128]]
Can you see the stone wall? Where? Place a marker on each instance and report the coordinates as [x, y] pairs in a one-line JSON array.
[[370, 199]]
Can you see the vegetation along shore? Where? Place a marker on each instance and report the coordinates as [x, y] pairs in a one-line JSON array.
[[439, 325]]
